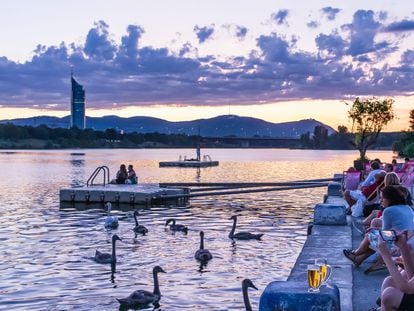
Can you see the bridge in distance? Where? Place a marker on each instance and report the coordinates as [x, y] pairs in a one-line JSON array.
[[250, 142]]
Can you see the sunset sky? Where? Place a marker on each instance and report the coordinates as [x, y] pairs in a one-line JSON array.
[[188, 59]]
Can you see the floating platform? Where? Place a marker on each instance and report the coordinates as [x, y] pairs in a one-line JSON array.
[[132, 194], [189, 163]]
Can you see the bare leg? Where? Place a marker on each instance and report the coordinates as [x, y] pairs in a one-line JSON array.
[[391, 299], [348, 198], [367, 221], [376, 223]]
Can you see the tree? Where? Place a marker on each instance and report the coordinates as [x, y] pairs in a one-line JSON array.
[[369, 117], [305, 140], [320, 137], [412, 120]]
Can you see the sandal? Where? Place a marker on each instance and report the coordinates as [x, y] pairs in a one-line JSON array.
[[351, 256], [348, 251], [378, 301], [375, 267]]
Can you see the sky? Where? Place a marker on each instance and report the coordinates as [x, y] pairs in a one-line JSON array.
[[182, 60]]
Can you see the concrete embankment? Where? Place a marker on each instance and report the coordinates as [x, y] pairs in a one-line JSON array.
[[358, 291]]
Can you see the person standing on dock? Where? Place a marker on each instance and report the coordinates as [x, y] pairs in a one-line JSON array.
[[198, 152]]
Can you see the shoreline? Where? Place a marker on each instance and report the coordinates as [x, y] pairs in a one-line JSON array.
[[358, 291]]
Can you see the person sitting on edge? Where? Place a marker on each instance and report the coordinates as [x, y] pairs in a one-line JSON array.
[[397, 290], [132, 176], [396, 215], [406, 165], [375, 169], [389, 167], [357, 198], [121, 175]]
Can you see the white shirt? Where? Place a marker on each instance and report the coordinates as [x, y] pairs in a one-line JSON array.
[[371, 177]]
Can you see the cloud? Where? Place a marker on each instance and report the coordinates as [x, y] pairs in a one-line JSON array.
[[363, 31], [129, 72], [203, 33], [280, 17], [98, 44], [241, 32], [330, 12], [404, 25], [312, 24]]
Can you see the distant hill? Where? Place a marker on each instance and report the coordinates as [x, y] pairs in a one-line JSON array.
[[227, 125]]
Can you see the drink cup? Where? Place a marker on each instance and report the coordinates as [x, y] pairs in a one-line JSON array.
[[324, 268], [314, 278]]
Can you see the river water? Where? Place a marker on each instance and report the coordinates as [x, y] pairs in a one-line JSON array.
[[46, 249]]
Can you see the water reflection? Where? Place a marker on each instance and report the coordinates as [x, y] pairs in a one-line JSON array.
[[48, 246], [77, 162]]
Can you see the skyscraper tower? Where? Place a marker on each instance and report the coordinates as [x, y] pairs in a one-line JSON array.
[[77, 105]]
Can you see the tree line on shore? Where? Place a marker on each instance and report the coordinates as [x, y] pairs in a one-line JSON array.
[[369, 116]]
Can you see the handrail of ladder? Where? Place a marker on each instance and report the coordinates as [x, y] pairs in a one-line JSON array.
[[95, 173]]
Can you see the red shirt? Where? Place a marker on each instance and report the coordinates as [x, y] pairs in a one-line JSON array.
[[368, 190]]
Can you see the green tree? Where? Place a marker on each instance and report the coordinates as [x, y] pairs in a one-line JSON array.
[[320, 137], [412, 120], [305, 140], [369, 117]]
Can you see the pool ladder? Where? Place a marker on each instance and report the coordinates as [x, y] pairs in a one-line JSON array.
[[96, 172]]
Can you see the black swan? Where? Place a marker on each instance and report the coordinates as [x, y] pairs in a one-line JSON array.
[[110, 221], [245, 285], [105, 257], [175, 227], [139, 228], [202, 255], [142, 297], [242, 235]]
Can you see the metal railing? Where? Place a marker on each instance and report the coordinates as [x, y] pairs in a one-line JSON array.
[[96, 172]]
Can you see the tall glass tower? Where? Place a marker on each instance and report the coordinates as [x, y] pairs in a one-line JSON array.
[[77, 106]]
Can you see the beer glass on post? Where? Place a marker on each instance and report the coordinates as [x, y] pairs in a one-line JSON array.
[[314, 278], [324, 268]]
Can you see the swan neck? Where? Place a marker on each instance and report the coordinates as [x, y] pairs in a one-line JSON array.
[[156, 284], [246, 299], [201, 242], [113, 250], [136, 220], [233, 228]]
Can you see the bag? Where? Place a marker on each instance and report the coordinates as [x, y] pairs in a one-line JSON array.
[[357, 208], [367, 210]]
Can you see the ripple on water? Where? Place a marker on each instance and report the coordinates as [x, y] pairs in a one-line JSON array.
[[50, 250]]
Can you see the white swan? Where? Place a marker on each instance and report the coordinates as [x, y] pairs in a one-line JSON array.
[[111, 222]]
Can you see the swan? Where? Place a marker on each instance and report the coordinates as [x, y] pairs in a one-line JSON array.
[[110, 221], [202, 255], [139, 228], [242, 235], [245, 285], [105, 257], [175, 227], [143, 297]]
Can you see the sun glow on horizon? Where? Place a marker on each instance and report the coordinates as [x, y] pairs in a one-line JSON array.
[[329, 112]]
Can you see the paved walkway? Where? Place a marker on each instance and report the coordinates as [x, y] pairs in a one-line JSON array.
[[358, 291]]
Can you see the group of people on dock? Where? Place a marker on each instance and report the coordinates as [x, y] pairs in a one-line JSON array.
[[124, 176], [388, 231]]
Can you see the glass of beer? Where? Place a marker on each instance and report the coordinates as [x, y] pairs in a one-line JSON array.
[[324, 268], [314, 278]]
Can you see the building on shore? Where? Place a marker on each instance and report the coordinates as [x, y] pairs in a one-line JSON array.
[[77, 105]]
